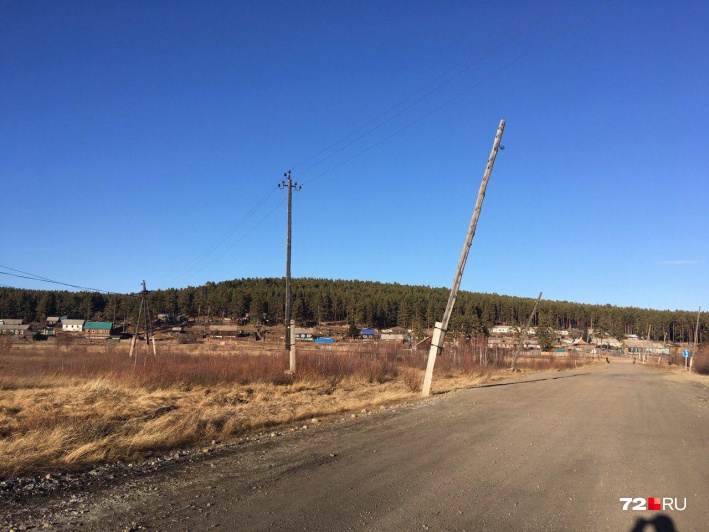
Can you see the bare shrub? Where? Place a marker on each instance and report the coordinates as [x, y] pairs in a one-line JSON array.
[[701, 361], [413, 378]]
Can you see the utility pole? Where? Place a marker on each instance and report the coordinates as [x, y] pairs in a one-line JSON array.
[[523, 335], [290, 185], [696, 339], [148, 326], [439, 332]]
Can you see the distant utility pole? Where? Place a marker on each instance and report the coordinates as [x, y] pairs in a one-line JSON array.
[[290, 185], [696, 339], [439, 331], [148, 326], [523, 335]]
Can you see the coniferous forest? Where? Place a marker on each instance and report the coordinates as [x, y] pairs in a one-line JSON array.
[[363, 303]]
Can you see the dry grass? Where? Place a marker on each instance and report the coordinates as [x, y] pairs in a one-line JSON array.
[[65, 408]]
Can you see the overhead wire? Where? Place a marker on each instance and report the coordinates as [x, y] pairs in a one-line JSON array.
[[190, 269], [433, 90], [243, 237], [195, 262], [35, 277], [529, 24], [464, 92]]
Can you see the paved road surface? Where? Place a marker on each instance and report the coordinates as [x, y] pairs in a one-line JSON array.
[[555, 452]]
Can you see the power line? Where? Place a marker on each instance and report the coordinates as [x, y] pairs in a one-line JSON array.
[[424, 87], [190, 269], [203, 256], [195, 262], [242, 238], [34, 277], [432, 91], [463, 93]]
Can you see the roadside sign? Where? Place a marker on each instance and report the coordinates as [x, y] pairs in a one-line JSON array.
[[685, 353]]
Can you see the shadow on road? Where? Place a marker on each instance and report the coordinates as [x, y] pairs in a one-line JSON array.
[[533, 380], [659, 523]]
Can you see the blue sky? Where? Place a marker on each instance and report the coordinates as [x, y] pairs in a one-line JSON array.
[[134, 135]]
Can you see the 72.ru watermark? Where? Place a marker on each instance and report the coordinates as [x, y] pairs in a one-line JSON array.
[[653, 503]]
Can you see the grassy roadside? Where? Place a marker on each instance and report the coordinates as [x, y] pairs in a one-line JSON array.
[[67, 409]]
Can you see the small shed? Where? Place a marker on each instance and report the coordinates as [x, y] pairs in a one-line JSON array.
[[53, 320]]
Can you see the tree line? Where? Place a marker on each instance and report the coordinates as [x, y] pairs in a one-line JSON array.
[[363, 303]]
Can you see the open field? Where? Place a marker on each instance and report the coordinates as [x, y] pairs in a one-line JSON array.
[[64, 408]]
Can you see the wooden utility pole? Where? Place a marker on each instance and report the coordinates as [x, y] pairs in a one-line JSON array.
[[290, 185], [148, 326], [523, 335], [439, 331]]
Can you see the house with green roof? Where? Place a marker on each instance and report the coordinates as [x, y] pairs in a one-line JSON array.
[[98, 329]]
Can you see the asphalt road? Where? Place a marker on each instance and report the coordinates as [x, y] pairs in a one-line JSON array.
[[553, 452]]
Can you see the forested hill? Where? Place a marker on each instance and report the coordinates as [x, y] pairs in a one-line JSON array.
[[362, 302]]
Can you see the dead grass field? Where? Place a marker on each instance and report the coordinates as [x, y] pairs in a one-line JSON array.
[[65, 408]]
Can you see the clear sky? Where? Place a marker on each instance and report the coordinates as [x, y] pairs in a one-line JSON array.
[[135, 135]]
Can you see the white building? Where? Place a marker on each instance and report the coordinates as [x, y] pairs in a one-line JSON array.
[[392, 337], [72, 325], [503, 329]]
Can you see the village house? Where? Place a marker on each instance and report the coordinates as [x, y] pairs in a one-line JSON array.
[[608, 342], [98, 329], [368, 334], [647, 347], [303, 333], [52, 320], [506, 342], [10, 321], [224, 331], [393, 337], [16, 330], [503, 329], [69, 325]]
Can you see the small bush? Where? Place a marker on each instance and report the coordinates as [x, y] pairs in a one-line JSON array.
[[701, 361], [413, 378]]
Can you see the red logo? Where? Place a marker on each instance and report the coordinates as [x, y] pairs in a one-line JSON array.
[[654, 503]]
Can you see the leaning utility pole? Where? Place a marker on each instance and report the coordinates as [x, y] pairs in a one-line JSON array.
[[439, 331], [148, 325], [290, 185], [523, 335]]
